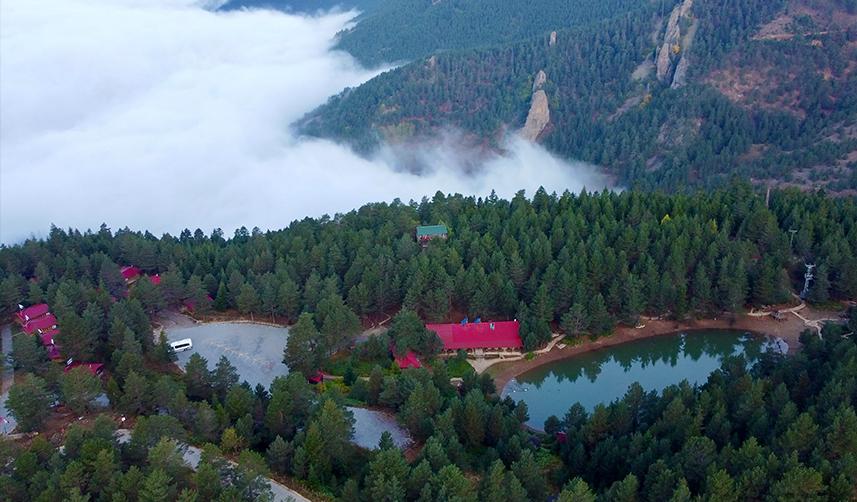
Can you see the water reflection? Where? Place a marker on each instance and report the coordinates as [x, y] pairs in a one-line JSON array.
[[603, 376]]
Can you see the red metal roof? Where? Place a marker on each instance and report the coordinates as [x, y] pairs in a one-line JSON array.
[[409, 360], [43, 323], [130, 272], [94, 368], [479, 335], [32, 312], [156, 279], [48, 337]]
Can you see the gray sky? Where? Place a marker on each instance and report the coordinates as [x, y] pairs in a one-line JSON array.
[[159, 115]]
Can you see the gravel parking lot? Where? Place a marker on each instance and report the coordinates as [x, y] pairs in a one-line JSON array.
[[255, 350]]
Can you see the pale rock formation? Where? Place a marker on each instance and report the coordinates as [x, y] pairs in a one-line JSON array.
[[680, 77], [538, 117], [671, 42]]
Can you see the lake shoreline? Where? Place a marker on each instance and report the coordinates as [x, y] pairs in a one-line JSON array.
[[788, 330]]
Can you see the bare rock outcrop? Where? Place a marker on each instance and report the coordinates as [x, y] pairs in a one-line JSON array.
[[538, 117], [680, 76], [671, 49]]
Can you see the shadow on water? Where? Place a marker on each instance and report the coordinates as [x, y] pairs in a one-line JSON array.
[[602, 376]]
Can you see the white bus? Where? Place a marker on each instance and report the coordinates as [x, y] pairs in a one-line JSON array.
[[182, 345]]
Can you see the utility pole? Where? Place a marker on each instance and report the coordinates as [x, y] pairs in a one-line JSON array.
[[792, 231]]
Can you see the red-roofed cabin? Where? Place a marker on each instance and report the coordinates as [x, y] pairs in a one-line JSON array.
[[130, 273], [496, 335], [43, 323], [317, 378], [409, 360], [155, 279], [95, 368], [50, 344], [47, 336], [32, 312]]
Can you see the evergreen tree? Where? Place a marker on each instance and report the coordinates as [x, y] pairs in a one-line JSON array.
[[79, 388], [304, 349], [29, 402], [223, 377]]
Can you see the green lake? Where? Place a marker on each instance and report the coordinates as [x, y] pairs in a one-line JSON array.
[[602, 376]]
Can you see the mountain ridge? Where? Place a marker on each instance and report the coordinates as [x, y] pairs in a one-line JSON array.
[[608, 108]]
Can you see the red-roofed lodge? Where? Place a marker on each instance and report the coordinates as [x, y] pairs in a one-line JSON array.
[[32, 312], [43, 323], [491, 335]]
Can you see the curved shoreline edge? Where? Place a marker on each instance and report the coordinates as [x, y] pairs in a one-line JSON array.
[[788, 330]]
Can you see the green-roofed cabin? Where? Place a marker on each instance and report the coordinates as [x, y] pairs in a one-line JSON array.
[[425, 233]]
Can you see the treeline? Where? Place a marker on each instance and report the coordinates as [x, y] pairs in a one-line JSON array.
[[583, 262], [797, 111]]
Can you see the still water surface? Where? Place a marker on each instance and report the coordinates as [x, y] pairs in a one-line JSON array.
[[604, 375]]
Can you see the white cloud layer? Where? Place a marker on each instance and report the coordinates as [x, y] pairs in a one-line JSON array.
[[159, 115]]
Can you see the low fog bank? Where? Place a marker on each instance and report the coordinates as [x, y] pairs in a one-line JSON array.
[[160, 115]]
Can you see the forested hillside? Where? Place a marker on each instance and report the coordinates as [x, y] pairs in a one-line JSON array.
[[782, 430], [402, 30], [665, 95]]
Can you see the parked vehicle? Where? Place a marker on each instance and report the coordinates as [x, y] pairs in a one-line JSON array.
[[182, 345]]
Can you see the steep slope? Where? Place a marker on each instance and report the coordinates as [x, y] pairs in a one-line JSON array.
[[685, 94]]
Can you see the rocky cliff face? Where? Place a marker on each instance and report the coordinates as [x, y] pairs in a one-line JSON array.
[[539, 114], [670, 56]]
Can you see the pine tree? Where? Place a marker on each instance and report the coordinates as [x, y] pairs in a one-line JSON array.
[[529, 474], [304, 349], [158, 487], [197, 377], [576, 490], [223, 377], [819, 290], [79, 387], [387, 475], [248, 301], [221, 300], [279, 455], [29, 402]]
